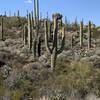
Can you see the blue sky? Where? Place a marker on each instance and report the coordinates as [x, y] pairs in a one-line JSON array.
[[86, 9]]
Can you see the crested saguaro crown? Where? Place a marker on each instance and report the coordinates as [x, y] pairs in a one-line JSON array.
[[57, 16]]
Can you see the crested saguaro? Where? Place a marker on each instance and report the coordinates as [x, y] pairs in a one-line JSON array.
[[54, 50]]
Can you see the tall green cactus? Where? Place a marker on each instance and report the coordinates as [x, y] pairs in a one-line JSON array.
[[2, 29], [49, 29], [25, 34], [32, 19], [29, 32], [89, 35], [81, 34], [36, 12], [37, 46], [37, 39], [33, 41], [54, 50]]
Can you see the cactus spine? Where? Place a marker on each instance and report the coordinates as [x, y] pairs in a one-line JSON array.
[[2, 30], [54, 50], [89, 35], [29, 32], [81, 34]]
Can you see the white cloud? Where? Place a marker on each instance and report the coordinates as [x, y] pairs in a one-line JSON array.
[[28, 1]]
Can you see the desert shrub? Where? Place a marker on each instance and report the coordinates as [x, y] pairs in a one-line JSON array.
[[16, 94], [78, 80], [3, 87], [69, 79], [96, 33], [10, 22]]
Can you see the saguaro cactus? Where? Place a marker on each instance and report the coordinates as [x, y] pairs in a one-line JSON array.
[[32, 19], [81, 34], [89, 35], [25, 34], [54, 50], [2, 29], [29, 32], [36, 12], [37, 39], [49, 29]]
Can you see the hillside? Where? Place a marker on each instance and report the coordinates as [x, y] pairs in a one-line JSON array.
[[25, 75]]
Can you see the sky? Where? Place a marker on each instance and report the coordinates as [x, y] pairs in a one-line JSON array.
[[82, 9]]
